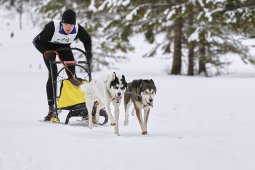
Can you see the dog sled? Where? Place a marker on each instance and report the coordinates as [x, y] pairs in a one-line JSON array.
[[68, 95]]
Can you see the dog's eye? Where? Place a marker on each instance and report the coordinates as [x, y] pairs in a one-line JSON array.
[[153, 92], [146, 92], [115, 87], [122, 88]]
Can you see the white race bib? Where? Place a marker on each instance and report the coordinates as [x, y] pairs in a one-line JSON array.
[[60, 37]]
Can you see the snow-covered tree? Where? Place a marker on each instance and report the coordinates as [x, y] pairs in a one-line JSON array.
[[199, 31], [195, 25], [94, 21], [22, 7]]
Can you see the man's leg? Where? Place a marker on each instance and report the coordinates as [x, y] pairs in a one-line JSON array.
[[43, 47], [50, 86]]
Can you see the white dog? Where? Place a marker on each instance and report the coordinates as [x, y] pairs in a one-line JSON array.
[[106, 91]]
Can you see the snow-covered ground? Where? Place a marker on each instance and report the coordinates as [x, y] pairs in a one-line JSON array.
[[197, 123]]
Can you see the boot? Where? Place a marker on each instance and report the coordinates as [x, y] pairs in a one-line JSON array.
[[49, 116], [52, 116]]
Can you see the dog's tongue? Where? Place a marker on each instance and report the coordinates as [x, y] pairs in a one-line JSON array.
[[118, 98]]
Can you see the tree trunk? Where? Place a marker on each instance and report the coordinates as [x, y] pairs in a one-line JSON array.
[[20, 11], [12, 2], [191, 45], [202, 53], [191, 59], [177, 58], [32, 19], [20, 20]]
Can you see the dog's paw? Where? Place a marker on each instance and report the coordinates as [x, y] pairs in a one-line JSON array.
[[145, 133], [113, 123], [116, 130], [91, 125]]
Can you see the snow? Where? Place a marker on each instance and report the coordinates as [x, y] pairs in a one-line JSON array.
[[197, 123], [130, 16], [92, 6], [169, 14]]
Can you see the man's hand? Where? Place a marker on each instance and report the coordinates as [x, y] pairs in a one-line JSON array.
[[89, 56]]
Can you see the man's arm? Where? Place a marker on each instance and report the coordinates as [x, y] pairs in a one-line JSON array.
[[40, 41], [85, 39]]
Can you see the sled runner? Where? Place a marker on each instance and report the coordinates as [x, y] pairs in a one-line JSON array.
[[67, 94]]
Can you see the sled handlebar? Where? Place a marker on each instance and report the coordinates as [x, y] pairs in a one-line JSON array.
[[70, 62], [68, 48]]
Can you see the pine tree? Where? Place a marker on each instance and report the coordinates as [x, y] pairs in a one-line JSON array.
[[177, 56], [197, 26], [211, 36], [18, 5], [190, 43]]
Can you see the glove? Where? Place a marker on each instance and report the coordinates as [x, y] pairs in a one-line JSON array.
[[50, 55], [89, 56]]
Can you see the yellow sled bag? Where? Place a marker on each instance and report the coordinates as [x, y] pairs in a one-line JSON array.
[[70, 95]]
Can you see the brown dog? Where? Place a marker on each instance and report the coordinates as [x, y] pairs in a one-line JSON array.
[[141, 94]]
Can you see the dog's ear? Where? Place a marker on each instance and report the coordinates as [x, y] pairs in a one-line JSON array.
[[124, 82], [123, 78], [154, 87], [113, 76], [140, 88]]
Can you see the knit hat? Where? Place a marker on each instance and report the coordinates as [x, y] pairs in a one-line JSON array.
[[69, 17]]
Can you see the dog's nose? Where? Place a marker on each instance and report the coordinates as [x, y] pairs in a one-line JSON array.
[[150, 100], [119, 94]]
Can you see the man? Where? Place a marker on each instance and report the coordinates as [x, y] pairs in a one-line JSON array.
[[60, 34]]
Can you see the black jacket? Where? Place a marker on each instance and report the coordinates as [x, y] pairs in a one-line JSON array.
[[42, 40]]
